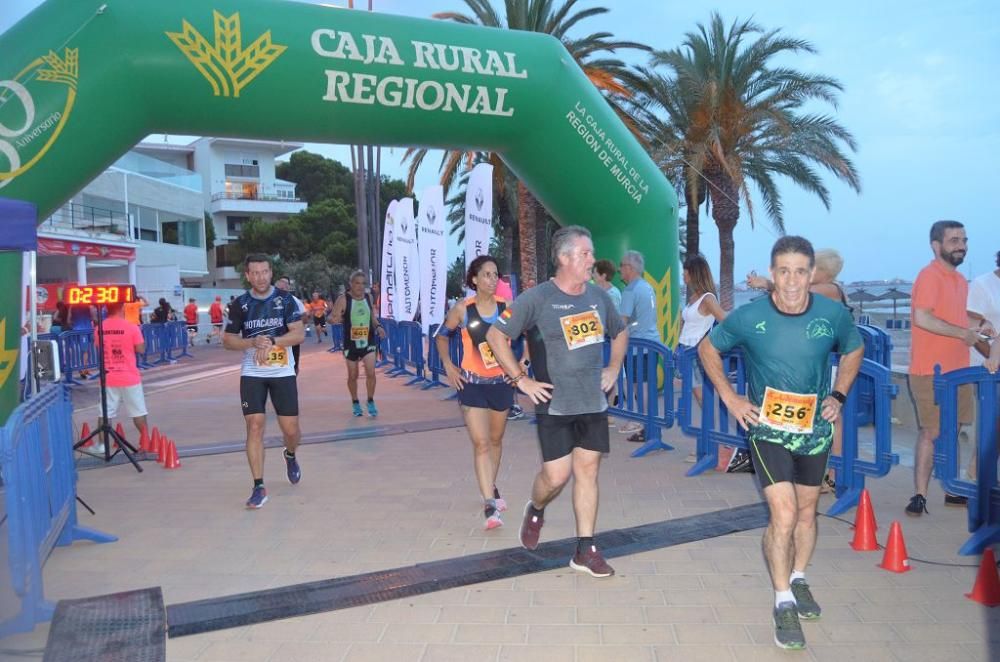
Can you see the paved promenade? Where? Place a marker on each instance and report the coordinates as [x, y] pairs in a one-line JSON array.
[[405, 497]]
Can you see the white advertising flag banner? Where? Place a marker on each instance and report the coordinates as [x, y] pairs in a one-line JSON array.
[[433, 257], [406, 258], [478, 213], [388, 290]]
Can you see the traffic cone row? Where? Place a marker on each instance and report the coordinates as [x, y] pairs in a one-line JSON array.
[[84, 433], [985, 591]]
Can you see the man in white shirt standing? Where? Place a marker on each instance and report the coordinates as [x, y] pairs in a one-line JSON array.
[[983, 306]]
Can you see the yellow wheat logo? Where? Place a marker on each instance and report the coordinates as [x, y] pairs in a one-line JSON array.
[[227, 66], [61, 71], [8, 357], [669, 323]]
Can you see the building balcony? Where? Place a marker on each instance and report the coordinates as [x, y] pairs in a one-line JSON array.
[[256, 203], [86, 221]]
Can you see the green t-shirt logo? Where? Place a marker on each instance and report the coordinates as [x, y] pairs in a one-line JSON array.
[[761, 327], [820, 328]]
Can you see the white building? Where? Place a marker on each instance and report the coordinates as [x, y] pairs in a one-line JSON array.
[[238, 183], [159, 245]]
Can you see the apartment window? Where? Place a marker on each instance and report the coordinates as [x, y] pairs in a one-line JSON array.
[[180, 230], [234, 224], [243, 170], [242, 190]]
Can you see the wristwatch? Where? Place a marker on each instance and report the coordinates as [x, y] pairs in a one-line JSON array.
[[838, 396]]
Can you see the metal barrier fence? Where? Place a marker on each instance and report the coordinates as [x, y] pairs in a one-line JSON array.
[[851, 468], [336, 337], [639, 394], [36, 460], [165, 343], [984, 492], [435, 366], [878, 348]]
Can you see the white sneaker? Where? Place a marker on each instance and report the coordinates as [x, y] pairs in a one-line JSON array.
[[631, 428]]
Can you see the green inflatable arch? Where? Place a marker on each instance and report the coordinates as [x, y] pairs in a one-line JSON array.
[[82, 81]]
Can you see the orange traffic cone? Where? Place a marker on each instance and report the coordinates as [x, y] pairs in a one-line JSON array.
[[143, 440], [161, 452], [171, 461], [155, 442], [986, 590], [84, 431], [864, 526], [895, 559], [120, 430]]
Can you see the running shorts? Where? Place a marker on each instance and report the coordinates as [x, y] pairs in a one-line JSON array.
[[283, 391], [131, 396], [559, 435], [498, 397], [192, 328], [357, 354], [776, 464], [319, 321]]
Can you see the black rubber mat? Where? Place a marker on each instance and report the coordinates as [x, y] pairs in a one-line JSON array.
[[328, 595], [122, 627]]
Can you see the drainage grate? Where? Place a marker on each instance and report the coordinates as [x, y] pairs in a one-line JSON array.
[[122, 627]]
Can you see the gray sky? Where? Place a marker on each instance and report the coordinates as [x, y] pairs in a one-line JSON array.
[[919, 97]]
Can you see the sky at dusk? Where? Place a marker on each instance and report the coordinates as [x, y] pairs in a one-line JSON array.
[[920, 98]]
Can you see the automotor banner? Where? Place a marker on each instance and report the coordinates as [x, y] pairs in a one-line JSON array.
[[406, 259], [388, 288], [478, 213], [433, 256]]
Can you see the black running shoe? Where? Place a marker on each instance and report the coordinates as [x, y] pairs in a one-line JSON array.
[[740, 463], [956, 501], [918, 506]]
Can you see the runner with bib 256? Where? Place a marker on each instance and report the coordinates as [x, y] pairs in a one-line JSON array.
[[787, 338]]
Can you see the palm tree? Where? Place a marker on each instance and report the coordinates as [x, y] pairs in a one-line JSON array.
[[609, 75], [735, 116]]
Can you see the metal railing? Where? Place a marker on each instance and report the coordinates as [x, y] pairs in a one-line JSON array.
[[89, 219]]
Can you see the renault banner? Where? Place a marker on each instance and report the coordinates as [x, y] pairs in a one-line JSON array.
[[433, 257], [405, 259], [478, 212]]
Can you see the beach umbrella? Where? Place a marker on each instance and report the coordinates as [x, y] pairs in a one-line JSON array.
[[896, 296], [861, 296]]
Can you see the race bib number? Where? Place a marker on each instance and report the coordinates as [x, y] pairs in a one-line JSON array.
[[359, 333], [486, 353], [582, 329], [277, 357], [789, 412]]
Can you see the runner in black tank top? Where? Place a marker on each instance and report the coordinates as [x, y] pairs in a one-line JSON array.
[[362, 332]]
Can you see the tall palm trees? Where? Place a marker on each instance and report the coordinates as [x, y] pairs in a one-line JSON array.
[[733, 115], [609, 75]]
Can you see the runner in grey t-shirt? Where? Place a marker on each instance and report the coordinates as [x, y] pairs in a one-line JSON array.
[[566, 321]]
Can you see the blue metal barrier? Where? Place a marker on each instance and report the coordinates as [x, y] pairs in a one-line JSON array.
[[878, 348], [852, 470], [336, 337], [176, 339], [709, 434], [77, 352], [414, 351], [984, 493], [639, 393], [384, 355], [36, 460], [397, 349], [435, 366]]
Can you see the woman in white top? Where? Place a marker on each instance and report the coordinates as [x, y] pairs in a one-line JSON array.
[[702, 309]]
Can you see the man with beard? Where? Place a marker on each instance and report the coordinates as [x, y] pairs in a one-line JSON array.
[[941, 336]]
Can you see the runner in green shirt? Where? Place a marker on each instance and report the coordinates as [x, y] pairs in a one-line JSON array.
[[787, 338]]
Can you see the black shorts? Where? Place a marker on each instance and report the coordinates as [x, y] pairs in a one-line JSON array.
[[216, 325], [559, 435], [498, 397], [319, 321], [192, 328], [776, 464], [358, 353], [284, 394]]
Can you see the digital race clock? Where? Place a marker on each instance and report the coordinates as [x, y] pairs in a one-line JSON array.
[[98, 295]]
